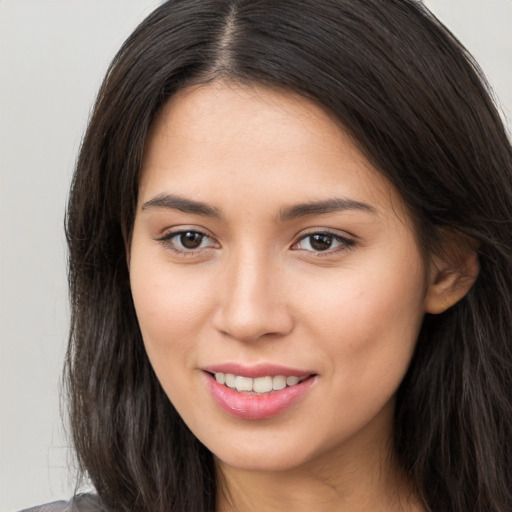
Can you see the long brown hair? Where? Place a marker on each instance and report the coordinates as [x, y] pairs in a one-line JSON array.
[[417, 105]]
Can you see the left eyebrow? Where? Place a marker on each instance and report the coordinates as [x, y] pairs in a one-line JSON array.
[[183, 204], [323, 207]]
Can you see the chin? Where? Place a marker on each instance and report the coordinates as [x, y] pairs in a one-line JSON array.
[[259, 462], [263, 454]]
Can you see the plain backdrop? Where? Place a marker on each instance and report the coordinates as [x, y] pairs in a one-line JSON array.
[[53, 54]]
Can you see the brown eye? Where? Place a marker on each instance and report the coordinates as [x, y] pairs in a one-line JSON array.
[[187, 242], [324, 242], [191, 239], [321, 241]]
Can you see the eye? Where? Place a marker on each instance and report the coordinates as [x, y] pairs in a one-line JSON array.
[[187, 241], [323, 242]]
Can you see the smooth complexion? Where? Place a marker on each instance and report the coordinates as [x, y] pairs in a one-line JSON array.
[[265, 243]]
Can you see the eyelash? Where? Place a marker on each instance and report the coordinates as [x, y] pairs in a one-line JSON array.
[[168, 241], [344, 243]]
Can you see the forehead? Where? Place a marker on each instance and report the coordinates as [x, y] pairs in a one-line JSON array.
[[223, 142]]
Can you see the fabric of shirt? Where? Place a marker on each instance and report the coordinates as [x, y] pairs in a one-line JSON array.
[[80, 503]]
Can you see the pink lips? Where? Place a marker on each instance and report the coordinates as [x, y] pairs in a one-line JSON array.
[[252, 406]]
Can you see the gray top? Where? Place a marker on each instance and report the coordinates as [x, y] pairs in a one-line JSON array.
[[80, 503]]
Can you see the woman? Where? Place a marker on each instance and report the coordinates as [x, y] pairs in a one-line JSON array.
[[290, 239]]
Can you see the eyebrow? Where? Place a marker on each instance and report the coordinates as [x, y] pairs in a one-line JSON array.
[[323, 207], [326, 206], [182, 204]]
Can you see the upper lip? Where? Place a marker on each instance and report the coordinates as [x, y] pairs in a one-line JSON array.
[[258, 370]]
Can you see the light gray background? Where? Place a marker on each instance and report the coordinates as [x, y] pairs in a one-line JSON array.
[[53, 54]]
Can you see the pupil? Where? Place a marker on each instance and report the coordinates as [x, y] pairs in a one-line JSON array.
[[191, 239], [321, 242]]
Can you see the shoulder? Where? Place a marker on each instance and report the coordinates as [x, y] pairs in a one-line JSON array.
[[80, 503]]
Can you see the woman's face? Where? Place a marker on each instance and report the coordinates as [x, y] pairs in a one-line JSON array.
[[268, 252]]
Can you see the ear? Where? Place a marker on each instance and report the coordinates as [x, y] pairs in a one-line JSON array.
[[452, 272]]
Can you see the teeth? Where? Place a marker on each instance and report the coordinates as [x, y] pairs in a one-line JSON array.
[[230, 380], [291, 381], [278, 382], [262, 385], [243, 383], [259, 385]]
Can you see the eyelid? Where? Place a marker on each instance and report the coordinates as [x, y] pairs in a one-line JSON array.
[[171, 233], [346, 241]]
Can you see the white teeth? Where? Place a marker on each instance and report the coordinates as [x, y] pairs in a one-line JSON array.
[[259, 385], [230, 380], [262, 385], [278, 382], [291, 381], [243, 383]]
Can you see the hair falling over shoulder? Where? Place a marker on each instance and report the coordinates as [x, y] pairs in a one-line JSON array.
[[417, 105]]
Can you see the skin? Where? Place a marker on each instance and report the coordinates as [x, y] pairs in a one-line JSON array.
[[255, 291]]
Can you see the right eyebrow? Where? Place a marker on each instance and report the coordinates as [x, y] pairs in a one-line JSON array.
[[323, 207], [175, 202]]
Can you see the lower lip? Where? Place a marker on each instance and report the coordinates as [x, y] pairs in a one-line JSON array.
[[257, 407]]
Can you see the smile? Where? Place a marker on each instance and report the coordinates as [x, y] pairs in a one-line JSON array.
[[261, 396], [258, 385]]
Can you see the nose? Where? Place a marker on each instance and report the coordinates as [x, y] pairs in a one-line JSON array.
[[252, 302]]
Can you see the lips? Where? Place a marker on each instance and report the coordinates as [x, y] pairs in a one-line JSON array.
[[257, 392]]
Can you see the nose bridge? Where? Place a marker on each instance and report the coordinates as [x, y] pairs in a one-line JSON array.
[[253, 304]]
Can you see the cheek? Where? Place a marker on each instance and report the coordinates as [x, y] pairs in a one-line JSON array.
[[171, 308], [367, 320], [366, 304]]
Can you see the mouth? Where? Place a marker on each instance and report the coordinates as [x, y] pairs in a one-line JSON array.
[[257, 392], [259, 385]]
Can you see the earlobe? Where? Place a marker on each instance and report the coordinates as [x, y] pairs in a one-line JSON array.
[[451, 278]]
